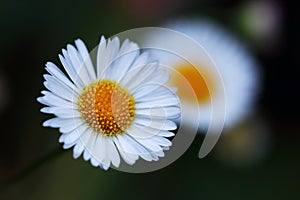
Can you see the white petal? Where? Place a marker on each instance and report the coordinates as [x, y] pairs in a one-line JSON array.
[[101, 65], [143, 132], [78, 149], [90, 145], [94, 162], [78, 65], [52, 122], [87, 140], [149, 144], [75, 134], [77, 80], [160, 113], [145, 89], [137, 76], [70, 125], [61, 139], [58, 122], [51, 99], [158, 124], [111, 52], [49, 110], [149, 86], [84, 138], [57, 73], [142, 93], [69, 69], [42, 101], [166, 148], [168, 101], [100, 152], [129, 158], [162, 141], [113, 153], [68, 146], [160, 153], [105, 166], [86, 155], [165, 134], [140, 61], [58, 89], [86, 58], [125, 146], [124, 60], [159, 77], [67, 113], [61, 112], [154, 156], [140, 150], [106, 161], [136, 132]]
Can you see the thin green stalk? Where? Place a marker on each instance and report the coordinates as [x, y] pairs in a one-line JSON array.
[[28, 170]]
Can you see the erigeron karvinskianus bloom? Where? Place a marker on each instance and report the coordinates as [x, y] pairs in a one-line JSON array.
[[116, 107]]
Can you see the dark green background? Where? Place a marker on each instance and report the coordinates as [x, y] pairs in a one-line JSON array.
[[33, 32]]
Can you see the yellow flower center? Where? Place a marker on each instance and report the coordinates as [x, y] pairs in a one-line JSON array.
[[190, 82], [107, 107]]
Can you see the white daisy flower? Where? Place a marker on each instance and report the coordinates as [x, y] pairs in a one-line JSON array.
[[119, 108], [236, 67]]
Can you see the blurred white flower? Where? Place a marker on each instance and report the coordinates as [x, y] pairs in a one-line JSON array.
[[236, 67], [118, 108]]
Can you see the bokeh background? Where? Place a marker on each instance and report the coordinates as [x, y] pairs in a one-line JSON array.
[[259, 159]]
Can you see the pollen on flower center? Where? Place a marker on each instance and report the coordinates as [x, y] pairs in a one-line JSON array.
[[107, 107]]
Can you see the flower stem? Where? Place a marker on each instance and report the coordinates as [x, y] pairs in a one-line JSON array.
[[28, 170]]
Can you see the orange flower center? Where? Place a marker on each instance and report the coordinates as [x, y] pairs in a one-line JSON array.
[[107, 107], [191, 82]]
